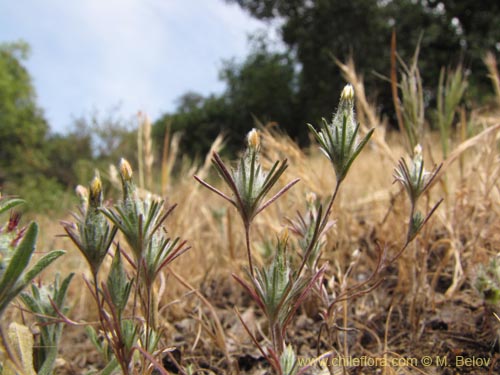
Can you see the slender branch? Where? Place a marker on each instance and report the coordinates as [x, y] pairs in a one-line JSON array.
[[249, 254], [330, 205], [216, 191], [277, 195]]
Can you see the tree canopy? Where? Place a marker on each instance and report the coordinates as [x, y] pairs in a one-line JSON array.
[[292, 85], [453, 32], [23, 127], [301, 83], [263, 85]]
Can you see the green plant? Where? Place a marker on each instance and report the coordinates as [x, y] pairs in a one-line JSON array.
[[249, 184], [339, 139], [141, 223], [91, 233], [93, 236], [416, 181], [279, 291], [17, 246], [276, 288], [47, 304], [279, 288], [339, 142], [486, 281], [304, 227]]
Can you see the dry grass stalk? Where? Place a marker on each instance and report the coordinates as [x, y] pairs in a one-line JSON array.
[[145, 155], [165, 172], [366, 111], [464, 146], [491, 63], [394, 83], [148, 152], [474, 214], [140, 150], [169, 156]]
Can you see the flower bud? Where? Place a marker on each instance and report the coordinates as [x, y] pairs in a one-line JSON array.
[[82, 193], [347, 92], [125, 170], [253, 139], [418, 149], [284, 236], [311, 199], [95, 195], [95, 186]]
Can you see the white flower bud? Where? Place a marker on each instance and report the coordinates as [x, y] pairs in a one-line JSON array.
[[311, 198], [82, 192], [254, 139], [418, 149], [347, 92]]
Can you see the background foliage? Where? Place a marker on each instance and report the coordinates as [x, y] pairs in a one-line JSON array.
[[290, 82]]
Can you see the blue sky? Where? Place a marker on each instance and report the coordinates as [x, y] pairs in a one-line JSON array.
[[132, 55]]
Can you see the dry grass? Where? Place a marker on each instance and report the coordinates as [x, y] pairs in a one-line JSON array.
[[430, 283], [370, 209]]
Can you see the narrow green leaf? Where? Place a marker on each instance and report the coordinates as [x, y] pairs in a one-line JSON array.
[[360, 147], [11, 203], [47, 367], [20, 259], [110, 367], [61, 293], [42, 263], [30, 303]]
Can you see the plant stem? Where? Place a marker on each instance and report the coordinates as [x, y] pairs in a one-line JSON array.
[[330, 205], [151, 315], [148, 317], [100, 307], [346, 332], [247, 241], [324, 221], [100, 310], [408, 241], [410, 227], [277, 338]]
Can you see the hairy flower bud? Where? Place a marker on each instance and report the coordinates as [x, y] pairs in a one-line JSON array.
[[125, 170], [339, 139], [128, 187], [417, 150], [284, 236], [311, 199], [347, 92], [82, 193], [95, 195], [254, 139]]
